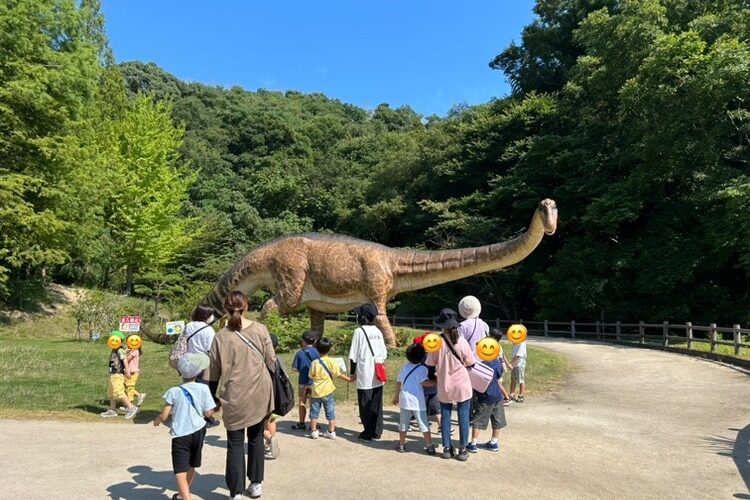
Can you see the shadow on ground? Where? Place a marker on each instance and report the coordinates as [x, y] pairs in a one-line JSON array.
[[149, 484]]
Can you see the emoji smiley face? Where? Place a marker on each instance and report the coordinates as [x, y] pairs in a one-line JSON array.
[[432, 342], [134, 342], [114, 342], [488, 349], [517, 334]]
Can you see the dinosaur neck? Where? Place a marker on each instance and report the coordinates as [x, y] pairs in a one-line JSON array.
[[421, 269]]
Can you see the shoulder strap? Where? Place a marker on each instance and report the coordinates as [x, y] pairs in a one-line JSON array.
[[368, 341], [453, 350], [195, 333], [190, 398], [308, 355], [251, 346], [409, 374], [321, 363]]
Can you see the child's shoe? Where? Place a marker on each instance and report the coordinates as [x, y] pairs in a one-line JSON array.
[[108, 414], [447, 452], [131, 413], [314, 434], [267, 453], [507, 402], [471, 447], [299, 426], [400, 448], [141, 397], [329, 434], [462, 456], [490, 446], [519, 399], [430, 450]]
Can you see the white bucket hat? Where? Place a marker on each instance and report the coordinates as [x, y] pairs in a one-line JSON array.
[[469, 307]]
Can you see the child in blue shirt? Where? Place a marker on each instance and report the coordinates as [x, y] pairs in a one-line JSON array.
[[489, 407], [301, 364], [188, 404]]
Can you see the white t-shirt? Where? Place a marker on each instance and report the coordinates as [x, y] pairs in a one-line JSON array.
[[201, 341], [360, 354], [411, 396], [519, 350]]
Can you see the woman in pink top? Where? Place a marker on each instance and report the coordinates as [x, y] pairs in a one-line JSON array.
[[453, 383]]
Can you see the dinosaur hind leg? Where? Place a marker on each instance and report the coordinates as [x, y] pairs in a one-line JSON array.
[[269, 306]]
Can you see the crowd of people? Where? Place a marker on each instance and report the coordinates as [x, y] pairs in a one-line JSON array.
[[239, 361]]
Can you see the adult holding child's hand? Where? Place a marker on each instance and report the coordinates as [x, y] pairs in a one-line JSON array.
[[241, 356]]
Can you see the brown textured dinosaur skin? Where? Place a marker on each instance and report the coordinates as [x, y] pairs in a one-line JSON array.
[[333, 274]]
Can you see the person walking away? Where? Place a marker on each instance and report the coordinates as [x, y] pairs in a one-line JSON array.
[[241, 358], [188, 404], [368, 347], [200, 335]]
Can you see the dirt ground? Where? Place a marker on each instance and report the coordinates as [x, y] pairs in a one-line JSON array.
[[630, 423]]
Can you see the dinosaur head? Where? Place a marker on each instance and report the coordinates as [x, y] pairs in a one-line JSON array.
[[548, 210]]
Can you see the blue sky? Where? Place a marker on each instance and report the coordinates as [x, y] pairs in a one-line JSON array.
[[428, 55]]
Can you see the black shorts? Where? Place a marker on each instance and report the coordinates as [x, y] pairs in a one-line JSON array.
[[187, 451]]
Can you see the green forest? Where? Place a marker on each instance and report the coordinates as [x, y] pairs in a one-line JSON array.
[[633, 115]]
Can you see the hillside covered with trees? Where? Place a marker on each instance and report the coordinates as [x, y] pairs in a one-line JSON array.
[[634, 115]]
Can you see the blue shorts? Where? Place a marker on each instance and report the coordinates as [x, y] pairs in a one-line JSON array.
[[328, 402], [421, 416]]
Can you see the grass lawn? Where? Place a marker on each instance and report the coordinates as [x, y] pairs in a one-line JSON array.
[[720, 349], [45, 374]]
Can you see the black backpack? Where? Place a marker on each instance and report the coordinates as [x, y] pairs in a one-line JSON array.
[[283, 391]]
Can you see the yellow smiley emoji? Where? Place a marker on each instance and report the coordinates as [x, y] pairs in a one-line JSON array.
[[517, 334], [488, 349], [432, 342], [134, 342], [114, 342]]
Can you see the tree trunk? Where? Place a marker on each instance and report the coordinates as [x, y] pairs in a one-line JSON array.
[[129, 280]]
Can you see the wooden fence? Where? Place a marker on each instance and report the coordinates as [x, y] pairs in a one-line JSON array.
[[662, 334]]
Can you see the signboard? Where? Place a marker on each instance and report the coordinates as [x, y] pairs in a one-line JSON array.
[[130, 324], [175, 327]]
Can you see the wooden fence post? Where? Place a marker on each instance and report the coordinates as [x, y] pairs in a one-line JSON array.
[[641, 332], [737, 340], [414, 322], [394, 320], [598, 336], [546, 328], [665, 333], [689, 334], [712, 332], [497, 323], [573, 329], [618, 330]]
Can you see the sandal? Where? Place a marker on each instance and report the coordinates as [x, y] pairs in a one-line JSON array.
[[176, 496], [299, 426], [400, 448], [519, 399]]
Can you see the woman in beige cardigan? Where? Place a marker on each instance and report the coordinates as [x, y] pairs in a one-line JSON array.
[[241, 356]]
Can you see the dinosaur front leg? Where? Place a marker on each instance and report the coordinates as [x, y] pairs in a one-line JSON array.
[[381, 321], [317, 320], [268, 307]]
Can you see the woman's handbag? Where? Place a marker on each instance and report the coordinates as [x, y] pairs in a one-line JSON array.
[[480, 374]]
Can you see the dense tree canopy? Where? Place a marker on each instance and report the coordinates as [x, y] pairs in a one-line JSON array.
[[632, 114]]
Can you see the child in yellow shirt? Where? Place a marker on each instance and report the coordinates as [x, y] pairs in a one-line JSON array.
[[322, 373]]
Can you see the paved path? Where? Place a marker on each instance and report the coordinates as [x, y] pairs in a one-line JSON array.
[[630, 423]]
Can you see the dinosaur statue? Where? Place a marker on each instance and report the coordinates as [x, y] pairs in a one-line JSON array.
[[333, 274]]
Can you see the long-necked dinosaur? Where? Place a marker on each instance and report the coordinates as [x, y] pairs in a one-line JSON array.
[[332, 274]]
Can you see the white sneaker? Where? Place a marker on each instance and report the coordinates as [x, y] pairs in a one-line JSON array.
[[314, 434], [131, 413], [141, 397], [108, 414], [255, 490], [330, 434], [238, 496]]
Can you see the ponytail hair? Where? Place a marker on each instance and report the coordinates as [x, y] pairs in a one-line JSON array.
[[452, 334], [234, 304]]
